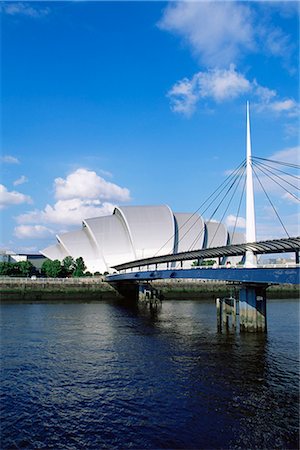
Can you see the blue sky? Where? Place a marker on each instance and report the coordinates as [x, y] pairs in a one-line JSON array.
[[107, 103]]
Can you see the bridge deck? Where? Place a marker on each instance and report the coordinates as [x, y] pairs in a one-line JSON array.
[[264, 247], [239, 275]]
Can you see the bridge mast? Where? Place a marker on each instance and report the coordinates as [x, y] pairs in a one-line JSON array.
[[250, 260]]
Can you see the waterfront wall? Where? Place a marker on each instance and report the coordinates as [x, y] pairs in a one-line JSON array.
[[96, 288]]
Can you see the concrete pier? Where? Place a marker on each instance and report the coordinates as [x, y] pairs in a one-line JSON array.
[[253, 316], [227, 314], [147, 293], [246, 313]]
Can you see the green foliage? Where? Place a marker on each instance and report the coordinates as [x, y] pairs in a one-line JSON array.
[[51, 269], [205, 262], [68, 266], [97, 274], [6, 268], [17, 269], [79, 267], [25, 268]]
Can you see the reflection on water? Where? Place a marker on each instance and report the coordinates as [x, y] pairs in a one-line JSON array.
[[109, 375]]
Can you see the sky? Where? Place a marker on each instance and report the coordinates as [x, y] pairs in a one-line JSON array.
[[144, 103]]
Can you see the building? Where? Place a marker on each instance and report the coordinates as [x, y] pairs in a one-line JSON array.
[[9, 256], [136, 232]]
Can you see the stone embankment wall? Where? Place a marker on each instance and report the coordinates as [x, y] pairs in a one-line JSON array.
[[56, 288], [96, 288]]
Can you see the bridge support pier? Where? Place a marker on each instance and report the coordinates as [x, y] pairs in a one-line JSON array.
[[227, 313], [148, 293], [252, 306]]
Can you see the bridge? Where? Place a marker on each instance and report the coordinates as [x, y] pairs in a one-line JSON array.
[[133, 279]]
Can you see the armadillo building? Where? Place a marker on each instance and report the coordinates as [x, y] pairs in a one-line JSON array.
[[135, 232]]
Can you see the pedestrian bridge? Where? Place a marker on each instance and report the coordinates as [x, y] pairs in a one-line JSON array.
[[133, 279], [170, 266]]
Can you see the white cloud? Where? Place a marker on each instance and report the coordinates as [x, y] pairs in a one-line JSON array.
[[220, 32], [269, 226], [81, 195], [221, 85], [86, 184], [216, 84], [233, 221], [32, 231], [8, 159], [287, 155], [24, 9], [217, 32], [291, 198], [67, 212], [20, 180], [8, 198]]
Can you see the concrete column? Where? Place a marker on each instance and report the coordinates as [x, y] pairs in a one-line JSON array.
[[253, 308]]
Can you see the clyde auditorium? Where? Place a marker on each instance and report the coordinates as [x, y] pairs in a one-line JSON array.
[[136, 232]]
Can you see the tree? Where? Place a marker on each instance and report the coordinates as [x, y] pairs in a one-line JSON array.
[[79, 267], [68, 266], [24, 268], [51, 269], [6, 268]]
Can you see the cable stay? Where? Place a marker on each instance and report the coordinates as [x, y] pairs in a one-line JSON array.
[[270, 201], [279, 184], [230, 185], [215, 193], [276, 169], [237, 182], [294, 166]]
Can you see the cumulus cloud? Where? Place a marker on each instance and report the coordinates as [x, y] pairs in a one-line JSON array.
[[82, 194], [217, 32], [20, 180], [234, 221], [8, 198], [85, 184], [221, 85], [24, 9], [8, 159], [67, 212], [32, 231]]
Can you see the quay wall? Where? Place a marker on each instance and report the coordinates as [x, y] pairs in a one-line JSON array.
[[92, 288]]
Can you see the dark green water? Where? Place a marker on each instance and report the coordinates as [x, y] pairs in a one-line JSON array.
[[109, 376]]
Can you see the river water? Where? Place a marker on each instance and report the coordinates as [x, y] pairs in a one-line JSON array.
[[82, 375]]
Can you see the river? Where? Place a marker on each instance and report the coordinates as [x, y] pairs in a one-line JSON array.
[[87, 375]]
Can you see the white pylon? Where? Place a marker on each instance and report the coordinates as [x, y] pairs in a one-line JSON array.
[[250, 259]]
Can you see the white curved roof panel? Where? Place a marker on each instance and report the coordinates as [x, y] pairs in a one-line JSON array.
[[237, 238], [111, 238], [190, 230], [54, 252], [78, 243], [216, 234], [151, 229]]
